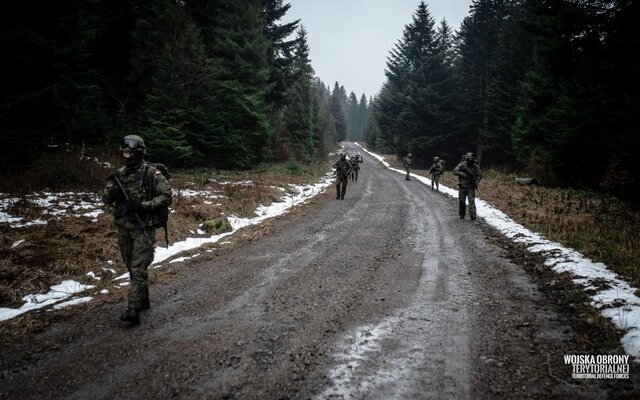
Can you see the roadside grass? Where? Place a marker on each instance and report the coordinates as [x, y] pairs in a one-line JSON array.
[[34, 257], [598, 225]]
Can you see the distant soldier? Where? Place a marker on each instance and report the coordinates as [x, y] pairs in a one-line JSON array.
[[436, 171], [343, 170], [355, 166], [469, 176], [408, 164], [135, 193]]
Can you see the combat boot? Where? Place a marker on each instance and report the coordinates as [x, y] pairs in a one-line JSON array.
[[131, 315]]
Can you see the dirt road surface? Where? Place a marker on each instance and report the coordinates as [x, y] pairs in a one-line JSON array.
[[386, 294]]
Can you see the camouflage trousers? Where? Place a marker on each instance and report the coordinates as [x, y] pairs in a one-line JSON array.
[[435, 181], [465, 193], [341, 186], [137, 254]]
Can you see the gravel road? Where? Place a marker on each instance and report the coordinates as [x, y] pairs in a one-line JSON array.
[[386, 294]]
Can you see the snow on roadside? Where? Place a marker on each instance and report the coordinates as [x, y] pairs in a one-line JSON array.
[[614, 297], [53, 204], [293, 196], [59, 292]]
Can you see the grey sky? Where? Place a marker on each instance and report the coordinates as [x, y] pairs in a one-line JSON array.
[[350, 40]]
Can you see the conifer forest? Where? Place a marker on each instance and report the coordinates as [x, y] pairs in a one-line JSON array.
[[546, 87]]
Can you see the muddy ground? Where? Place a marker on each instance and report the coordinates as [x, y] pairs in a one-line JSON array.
[[385, 294]]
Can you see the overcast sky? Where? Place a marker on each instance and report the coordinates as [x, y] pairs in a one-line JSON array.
[[350, 40]]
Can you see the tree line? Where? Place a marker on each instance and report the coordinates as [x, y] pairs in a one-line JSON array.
[[545, 86], [216, 83]]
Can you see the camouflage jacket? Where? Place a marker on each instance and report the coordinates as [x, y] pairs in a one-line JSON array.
[[343, 168], [407, 162], [145, 184], [436, 168], [469, 175], [355, 162]]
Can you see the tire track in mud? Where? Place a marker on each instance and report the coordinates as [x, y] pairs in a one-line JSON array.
[[421, 350]]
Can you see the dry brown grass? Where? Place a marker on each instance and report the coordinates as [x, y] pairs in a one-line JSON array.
[[597, 225], [68, 247]]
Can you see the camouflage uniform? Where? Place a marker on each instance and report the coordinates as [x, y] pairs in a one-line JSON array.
[[355, 166], [407, 163], [469, 175], [436, 170], [343, 169], [148, 190]]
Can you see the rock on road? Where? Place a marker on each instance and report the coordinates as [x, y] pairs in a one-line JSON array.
[[386, 294]]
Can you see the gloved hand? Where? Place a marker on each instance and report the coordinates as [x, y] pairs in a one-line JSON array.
[[134, 205]]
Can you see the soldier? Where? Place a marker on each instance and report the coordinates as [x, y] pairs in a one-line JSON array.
[[135, 193], [355, 166], [469, 175], [407, 163], [436, 170], [343, 169]]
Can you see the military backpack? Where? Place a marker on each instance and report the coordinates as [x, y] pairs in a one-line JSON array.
[[160, 216]]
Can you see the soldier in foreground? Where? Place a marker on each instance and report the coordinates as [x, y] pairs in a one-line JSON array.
[[469, 176], [343, 170], [436, 170], [408, 164], [136, 193]]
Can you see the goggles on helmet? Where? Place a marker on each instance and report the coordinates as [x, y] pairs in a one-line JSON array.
[[130, 143]]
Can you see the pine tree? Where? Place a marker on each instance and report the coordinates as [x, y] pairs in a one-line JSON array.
[[337, 112], [299, 115], [324, 128], [509, 65], [409, 108], [235, 129], [478, 40], [363, 118], [51, 95], [561, 111], [353, 119], [169, 50], [280, 57]]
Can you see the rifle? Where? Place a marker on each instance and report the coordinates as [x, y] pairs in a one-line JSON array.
[[341, 168], [114, 177]]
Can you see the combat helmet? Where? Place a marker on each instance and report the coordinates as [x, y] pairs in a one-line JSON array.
[[132, 143]]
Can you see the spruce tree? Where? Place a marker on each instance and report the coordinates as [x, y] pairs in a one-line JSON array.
[[299, 114], [235, 129], [353, 119], [336, 110], [324, 128], [170, 57], [280, 57], [363, 118]]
